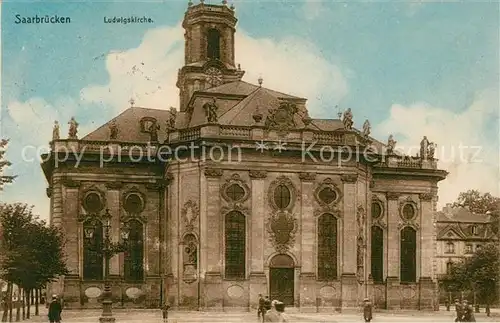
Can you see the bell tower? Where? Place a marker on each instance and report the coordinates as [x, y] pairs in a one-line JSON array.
[[208, 51]]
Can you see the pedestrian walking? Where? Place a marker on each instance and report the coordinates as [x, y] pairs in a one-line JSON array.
[[467, 312], [458, 310], [267, 307], [260, 310], [55, 310], [164, 312], [367, 310]]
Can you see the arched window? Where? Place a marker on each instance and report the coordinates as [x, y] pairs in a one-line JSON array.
[[408, 261], [213, 44], [235, 233], [133, 264], [282, 197], [377, 263], [450, 247], [327, 247], [92, 250]]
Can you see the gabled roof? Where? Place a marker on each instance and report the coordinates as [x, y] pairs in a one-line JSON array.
[[238, 101], [129, 126], [451, 233], [462, 214]]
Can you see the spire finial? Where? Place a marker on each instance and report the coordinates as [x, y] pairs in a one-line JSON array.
[[132, 102], [202, 1], [224, 2], [232, 6], [260, 80], [190, 3]]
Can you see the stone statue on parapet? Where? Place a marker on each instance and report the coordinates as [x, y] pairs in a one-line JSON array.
[[113, 130], [366, 128], [171, 120], [347, 120], [431, 150], [211, 111], [73, 129], [55, 131], [424, 147], [391, 144]]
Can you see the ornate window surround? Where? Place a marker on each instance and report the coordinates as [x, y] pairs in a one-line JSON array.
[[126, 216], [328, 183], [287, 182], [143, 122], [235, 179], [413, 220], [102, 197], [380, 221]]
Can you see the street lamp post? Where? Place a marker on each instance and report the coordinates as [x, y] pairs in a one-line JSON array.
[[109, 249]]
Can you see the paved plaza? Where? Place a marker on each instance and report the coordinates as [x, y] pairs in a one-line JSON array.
[[76, 316]]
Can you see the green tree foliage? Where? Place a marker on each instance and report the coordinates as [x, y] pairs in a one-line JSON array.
[[4, 179], [478, 202], [478, 273], [32, 252]]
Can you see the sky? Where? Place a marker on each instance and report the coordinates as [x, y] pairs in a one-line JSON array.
[[411, 68]]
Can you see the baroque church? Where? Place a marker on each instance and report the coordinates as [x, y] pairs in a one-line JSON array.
[[231, 196]]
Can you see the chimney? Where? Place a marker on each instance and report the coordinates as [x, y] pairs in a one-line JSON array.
[[447, 208]]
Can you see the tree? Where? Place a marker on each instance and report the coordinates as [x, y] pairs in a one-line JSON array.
[[32, 252], [478, 273], [478, 202], [4, 179]]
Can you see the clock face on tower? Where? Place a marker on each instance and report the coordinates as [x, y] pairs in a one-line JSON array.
[[214, 76]]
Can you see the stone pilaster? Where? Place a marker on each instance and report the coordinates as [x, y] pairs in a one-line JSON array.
[[393, 242], [308, 244], [173, 248], [258, 283], [56, 212], [70, 207], [349, 266], [426, 233], [308, 227], [427, 297], [393, 297], [210, 249], [113, 204]]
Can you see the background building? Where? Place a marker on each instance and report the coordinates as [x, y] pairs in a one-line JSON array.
[[228, 197], [460, 233]]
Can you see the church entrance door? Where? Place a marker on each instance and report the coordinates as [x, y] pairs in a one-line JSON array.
[[282, 279]]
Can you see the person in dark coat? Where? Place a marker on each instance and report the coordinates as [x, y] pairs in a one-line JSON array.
[[55, 310], [458, 310], [467, 313], [367, 310], [164, 312], [260, 310]]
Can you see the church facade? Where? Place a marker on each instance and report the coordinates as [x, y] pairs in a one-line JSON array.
[[238, 193]]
